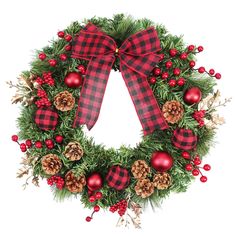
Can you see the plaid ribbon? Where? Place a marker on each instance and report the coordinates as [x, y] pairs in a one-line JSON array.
[[138, 56]]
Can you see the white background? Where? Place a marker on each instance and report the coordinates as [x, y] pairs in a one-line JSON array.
[[205, 209]]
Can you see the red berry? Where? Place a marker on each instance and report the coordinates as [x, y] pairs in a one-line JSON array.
[[211, 71], [59, 139], [168, 64], [156, 71], [14, 138], [88, 218], [188, 167], [152, 80], [68, 47], [173, 52], [68, 37], [50, 146], [60, 34], [206, 167], [98, 195], [63, 57], [38, 144], [183, 56], [197, 161], [191, 47], [48, 142], [201, 69], [195, 172], [96, 208], [203, 179], [176, 71], [185, 155], [92, 199], [164, 75], [28, 143], [172, 83], [42, 56], [81, 69], [23, 149], [52, 62], [161, 57], [200, 48], [192, 64], [22, 146], [218, 75], [181, 81]]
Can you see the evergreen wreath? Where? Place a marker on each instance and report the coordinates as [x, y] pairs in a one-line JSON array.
[[177, 135]]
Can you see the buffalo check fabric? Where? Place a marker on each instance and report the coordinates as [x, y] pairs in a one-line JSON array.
[[184, 139], [46, 118], [118, 177], [138, 56]]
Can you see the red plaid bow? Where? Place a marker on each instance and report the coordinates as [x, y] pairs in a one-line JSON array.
[[138, 56]]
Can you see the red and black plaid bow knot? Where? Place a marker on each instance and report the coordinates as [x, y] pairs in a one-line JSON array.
[[138, 56]]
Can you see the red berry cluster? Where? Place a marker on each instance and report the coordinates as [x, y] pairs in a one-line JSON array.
[[81, 69], [47, 79], [95, 197], [121, 206], [96, 208], [43, 101], [194, 167], [198, 116], [57, 180]]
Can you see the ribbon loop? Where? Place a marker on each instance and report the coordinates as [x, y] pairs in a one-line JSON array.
[[138, 56]]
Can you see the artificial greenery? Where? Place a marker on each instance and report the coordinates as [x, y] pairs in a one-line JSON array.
[[97, 157]]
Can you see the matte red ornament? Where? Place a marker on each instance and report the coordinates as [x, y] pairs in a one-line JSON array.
[[73, 80], [192, 96], [94, 181], [161, 161]]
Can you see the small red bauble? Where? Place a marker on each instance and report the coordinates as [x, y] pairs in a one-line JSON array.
[[191, 47], [22, 146], [206, 167], [63, 57], [152, 80], [52, 62], [173, 52], [164, 75], [195, 172], [14, 138], [192, 64], [68, 37], [73, 80], [42, 56], [183, 56], [203, 179], [68, 47], [192, 95], [211, 71], [59, 139], [98, 195], [38, 144], [197, 161], [94, 181], [88, 218], [161, 161], [201, 69], [92, 199], [168, 64], [81, 69], [176, 71], [172, 83], [51, 146], [161, 57], [181, 81], [185, 155], [156, 71], [218, 76], [48, 142], [60, 34], [28, 143], [200, 48], [96, 208], [188, 167]]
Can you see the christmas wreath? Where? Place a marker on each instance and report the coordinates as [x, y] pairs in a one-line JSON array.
[[175, 102]]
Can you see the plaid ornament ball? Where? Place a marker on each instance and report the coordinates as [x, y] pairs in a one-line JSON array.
[[118, 178], [46, 118], [184, 139]]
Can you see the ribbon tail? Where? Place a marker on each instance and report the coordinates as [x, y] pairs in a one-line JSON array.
[[93, 90], [145, 103]]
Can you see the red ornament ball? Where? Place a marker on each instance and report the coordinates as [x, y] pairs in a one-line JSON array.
[[68, 37], [156, 71], [52, 62], [173, 52], [191, 48], [197, 161], [195, 172], [42, 56], [68, 47], [164, 75], [92, 199], [172, 83], [38, 144], [59, 139], [203, 179], [28, 143], [206, 167], [181, 81], [98, 195], [200, 48], [188, 167], [183, 56], [152, 80], [192, 64], [185, 155], [88, 218], [176, 71], [63, 57], [161, 161], [48, 142], [14, 138], [96, 208], [192, 96], [218, 76], [73, 80], [201, 69], [94, 181], [168, 64], [211, 71], [161, 57], [60, 34]]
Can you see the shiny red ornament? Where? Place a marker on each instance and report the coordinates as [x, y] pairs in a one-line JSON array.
[[172, 83], [195, 172], [68, 37], [156, 71], [60, 34], [28, 143], [98, 195], [42, 56], [181, 81], [203, 179], [201, 69], [14, 138], [183, 56], [88, 218], [73, 80], [207, 167], [164, 75], [38, 144], [191, 48], [68, 47], [185, 155], [173, 52], [168, 64], [59, 139], [211, 71], [192, 96], [176, 71], [52, 62], [192, 64], [188, 167], [96, 208], [94, 181], [200, 48], [161, 161], [152, 80], [218, 76], [92, 199], [63, 57]]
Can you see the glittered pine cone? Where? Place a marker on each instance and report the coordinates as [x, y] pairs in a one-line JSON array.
[[64, 101], [74, 184], [162, 180], [73, 151], [173, 111], [51, 164], [144, 188], [140, 169]]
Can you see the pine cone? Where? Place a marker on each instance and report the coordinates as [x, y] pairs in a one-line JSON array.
[[140, 169], [51, 164], [73, 151], [74, 184], [64, 101], [162, 180], [173, 111], [144, 188]]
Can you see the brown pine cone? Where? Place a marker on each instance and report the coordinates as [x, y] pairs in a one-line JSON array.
[[144, 188], [51, 164], [73, 151], [162, 180], [74, 184], [64, 101], [140, 169], [173, 111]]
